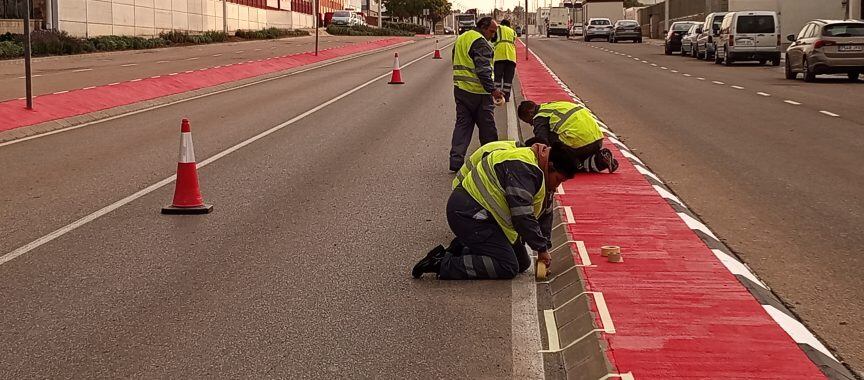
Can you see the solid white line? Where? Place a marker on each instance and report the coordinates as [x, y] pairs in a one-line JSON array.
[[737, 267], [129, 65], [737, 87], [149, 189], [60, 92], [694, 224], [81, 70], [829, 113], [265, 80], [646, 172], [717, 82], [792, 102], [136, 80], [89, 88], [512, 121], [156, 76], [763, 93], [667, 195], [796, 330]]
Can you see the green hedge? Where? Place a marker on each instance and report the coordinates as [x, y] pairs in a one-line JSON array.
[[359, 30], [9, 49], [414, 28], [270, 33]]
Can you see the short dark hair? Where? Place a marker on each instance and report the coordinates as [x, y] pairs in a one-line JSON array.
[[505, 22], [526, 108], [562, 160], [484, 22]]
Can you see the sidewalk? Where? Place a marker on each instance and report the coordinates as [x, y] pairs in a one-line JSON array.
[[682, 305]]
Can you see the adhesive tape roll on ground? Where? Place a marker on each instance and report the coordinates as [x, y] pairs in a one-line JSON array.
[[607, 250], [498, 101], [541, 271]]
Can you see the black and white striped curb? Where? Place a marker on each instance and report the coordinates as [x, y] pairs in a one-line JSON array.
[[806, 340]]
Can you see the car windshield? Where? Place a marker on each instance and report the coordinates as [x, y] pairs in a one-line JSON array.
[[628, 23], [341, 14], [600, 22], [755, 24], [683, 27], [844, 30]]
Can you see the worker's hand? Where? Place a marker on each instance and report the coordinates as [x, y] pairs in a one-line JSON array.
[[545, 257], [498, 94]]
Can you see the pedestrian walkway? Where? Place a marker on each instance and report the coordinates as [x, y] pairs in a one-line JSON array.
[[678, 309]]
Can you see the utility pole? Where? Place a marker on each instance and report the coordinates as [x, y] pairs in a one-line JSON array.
[[526, 30], [380, 19], [225, 16], [28, 89], [666, 21], [315, 16]]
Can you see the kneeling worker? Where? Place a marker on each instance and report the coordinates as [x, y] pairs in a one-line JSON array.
[[500, 203], [572, 125]]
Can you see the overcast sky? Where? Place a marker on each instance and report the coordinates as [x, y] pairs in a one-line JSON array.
[[486, 5]]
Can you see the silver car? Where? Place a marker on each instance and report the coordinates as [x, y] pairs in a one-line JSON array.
[[705, 47], [826, 47], [688, 42], [598, 28]]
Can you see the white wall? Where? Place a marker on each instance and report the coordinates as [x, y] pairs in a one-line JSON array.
[[611, 10], [150, 17], [793, 13]]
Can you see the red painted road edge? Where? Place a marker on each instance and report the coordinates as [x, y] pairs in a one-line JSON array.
[[78, 102], [678, 312]]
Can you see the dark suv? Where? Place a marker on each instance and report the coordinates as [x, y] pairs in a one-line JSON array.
[[674, 35]]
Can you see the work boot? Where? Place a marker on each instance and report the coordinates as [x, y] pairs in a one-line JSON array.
[[429, 264], [456, 247], [608, 161]]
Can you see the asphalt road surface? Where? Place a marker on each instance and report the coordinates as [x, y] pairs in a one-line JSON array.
[[301, 271], [773, 166], [63, 73]]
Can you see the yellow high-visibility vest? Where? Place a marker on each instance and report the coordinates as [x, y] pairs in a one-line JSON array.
[[572, 122], [505, 46], [475, 158], [464, 76]]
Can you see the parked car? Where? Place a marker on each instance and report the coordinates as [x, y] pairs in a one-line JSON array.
[[749, 36], [705, 47], [826, 47], [598, 28], [676, 31], [448, 30], [344, 18], [688, 42], [626, 30], [577, 30]]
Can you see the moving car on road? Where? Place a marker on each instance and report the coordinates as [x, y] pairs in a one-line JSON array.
[[626, 30], [674, 35], [688, 42], [598, 28], [749, 36], [826, 47], [344, 18], [559, 22], [705, 47]]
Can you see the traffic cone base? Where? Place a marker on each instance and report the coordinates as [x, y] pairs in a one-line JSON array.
[[174, 210]]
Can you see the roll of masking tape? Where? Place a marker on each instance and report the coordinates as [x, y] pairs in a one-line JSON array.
[[607, 250], [541, 271]]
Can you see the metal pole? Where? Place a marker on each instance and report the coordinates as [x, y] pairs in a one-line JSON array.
[[666, 21], [526, 30], [316, 27], [225, 16], [380, 19], [28, 89]]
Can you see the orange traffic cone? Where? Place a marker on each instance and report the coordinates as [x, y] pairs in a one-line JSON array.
[[397, 72], [187, 195], [437, 51]]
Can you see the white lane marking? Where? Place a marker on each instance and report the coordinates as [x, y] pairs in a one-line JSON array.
[[829, 113], [512, 121], [136, 80], [717, 82], [560, 190], [760, 93], [188, 71], [632, 156], [644, 61], [700, 78], [629, 56], [617, 142], [792, 102], [687, 75], [301, 71], [129, 65], [635, 59], [526, 344], [217, 55], [32, 76], [551, 330], [161, 62], [60, 92], [654, 65], [664, 67], [89, 88], [81, 70], [667, 195], [583, 253], [191, 59], [149, 189], [694, 224], [737, 87], [675, 71], [259, 49], [796, 330], [568, 214], [238, 51], [172, 74], [737, 267], [646, 172]]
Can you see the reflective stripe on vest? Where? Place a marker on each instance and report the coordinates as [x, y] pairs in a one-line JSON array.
[[478, 155], [505, 46], [464, 76], [571, 122], [483, 185]]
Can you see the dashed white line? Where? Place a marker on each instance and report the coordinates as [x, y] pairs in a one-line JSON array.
[[238, 51], [89, 88], [687, 75], [113, 84], [156, 76], [81, 70], [129, 65], [760, 93], [191, 58], [217, 55], [718, 82], [136, 80], [161, 62], [737, 87], [792, 102], [259, 49], [60, 92], [700, 78], [675, 71], [33, 76], [829, 113], [664, 67], [188, 71], [654, 64], [172, 74]]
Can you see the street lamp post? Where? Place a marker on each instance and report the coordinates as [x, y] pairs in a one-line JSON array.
[[315, 16], [225, 16], [28, 89]]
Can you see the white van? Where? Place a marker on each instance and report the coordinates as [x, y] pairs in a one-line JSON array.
[[749, 36]]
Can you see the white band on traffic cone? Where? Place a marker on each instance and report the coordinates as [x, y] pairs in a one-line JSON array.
[[187, 151]]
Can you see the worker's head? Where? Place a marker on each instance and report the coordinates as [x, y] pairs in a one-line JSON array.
[[505, 22], [561, 166], [487, 27], [527, 111]]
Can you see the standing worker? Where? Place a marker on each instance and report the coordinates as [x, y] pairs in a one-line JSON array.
[[501, 203], [571, 124], [474, 89], [505, 58]]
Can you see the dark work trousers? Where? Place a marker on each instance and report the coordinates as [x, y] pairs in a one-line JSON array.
[[504, 73], [471, 109], [587, 157], [487, 254]]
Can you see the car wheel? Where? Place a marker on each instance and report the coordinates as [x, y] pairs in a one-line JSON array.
[[639, 41], [809, 75], [667, 50], [789, 73], [853, 76], [727, 58], [762, 62]]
